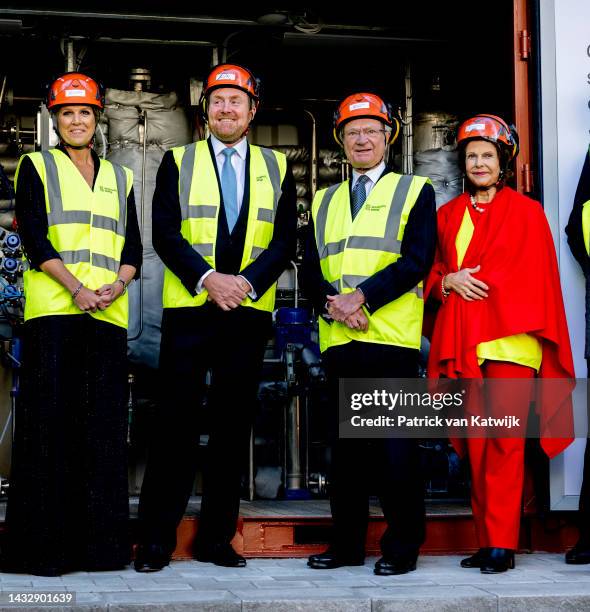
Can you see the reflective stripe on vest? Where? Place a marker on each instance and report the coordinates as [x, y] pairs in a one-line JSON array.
[[352, 251], [86, 227], [200, 206]]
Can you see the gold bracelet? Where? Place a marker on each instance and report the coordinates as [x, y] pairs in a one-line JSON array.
[[445, 292]]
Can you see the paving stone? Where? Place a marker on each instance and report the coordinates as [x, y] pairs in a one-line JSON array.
[[207, 601], [217, 571], [22, 582], [425, 599], [348, 582], [403, 580], [260, 577], [109, 584], [85, 598], [281, 584], [162, 586], [541, 597], [304, 600], [541, 581], [294, 593], [7, 576], [303, 570], [294, 605], [47, 582], [475, 577], [306, 576], [170, 580], [85, 607], [210, 584], [289, 562], [97, 588]]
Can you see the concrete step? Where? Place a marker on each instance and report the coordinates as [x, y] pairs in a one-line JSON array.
[[540, 582]]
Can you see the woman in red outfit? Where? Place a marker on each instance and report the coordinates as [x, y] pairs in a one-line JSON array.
[[501, 316]]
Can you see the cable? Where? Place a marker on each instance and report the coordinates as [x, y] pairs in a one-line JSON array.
[[104, 140]]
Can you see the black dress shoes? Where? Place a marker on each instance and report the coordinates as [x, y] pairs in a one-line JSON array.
[[579, 554], [220, 554], [151, 558], [330, 559], [477, 559], [395, 565], [497, 560]]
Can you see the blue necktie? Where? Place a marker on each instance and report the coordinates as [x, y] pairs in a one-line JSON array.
[[229, 187], [359, 195]]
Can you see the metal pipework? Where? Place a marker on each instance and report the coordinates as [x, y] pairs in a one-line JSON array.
[[314, 155], [293, 472], [70, 57], [407, 126], [143, 117], [294, 478]]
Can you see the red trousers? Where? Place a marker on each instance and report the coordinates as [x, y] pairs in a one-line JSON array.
[[497, 466]]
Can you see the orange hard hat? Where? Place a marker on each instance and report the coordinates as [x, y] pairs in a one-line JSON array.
[[232, 75], [75, 88], [361, 105], [490, 128]]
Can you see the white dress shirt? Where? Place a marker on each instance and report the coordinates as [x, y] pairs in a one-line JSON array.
[[373, 175], [238, 161]]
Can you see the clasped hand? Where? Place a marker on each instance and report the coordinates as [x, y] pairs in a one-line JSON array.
[[91, 301], [226, 290], [347, 308], [466, 285]]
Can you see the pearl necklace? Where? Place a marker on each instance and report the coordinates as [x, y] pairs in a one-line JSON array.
[[475, 206]]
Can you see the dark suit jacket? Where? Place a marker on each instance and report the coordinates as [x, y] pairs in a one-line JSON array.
[[417, 254], [179, 256]]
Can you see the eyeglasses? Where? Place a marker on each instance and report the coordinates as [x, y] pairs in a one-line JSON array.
[[369, 133]]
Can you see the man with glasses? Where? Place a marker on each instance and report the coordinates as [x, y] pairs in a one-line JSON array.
[[371, 243]]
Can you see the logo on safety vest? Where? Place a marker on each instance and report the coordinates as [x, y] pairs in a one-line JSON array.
[[107, 189], [374, 207], [260, 178]]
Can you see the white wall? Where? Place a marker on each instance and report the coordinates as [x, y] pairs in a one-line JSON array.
[[565, 68]]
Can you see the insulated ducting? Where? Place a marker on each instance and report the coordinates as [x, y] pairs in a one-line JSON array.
[[141, 127]]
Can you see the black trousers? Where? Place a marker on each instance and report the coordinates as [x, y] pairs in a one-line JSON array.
[[584, 512], [391, 467], [194, 340], [68, 504]]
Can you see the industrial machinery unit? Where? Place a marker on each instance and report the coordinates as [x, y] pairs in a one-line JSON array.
[[430, 62]]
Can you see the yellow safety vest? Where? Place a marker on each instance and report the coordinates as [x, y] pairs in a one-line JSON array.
[[352, 251], [87, 229], [586, 225], [200, 203]]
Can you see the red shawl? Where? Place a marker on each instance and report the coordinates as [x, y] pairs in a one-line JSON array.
[[513, 244]]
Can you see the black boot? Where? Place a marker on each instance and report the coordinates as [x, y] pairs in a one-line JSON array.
[[476, 559], [580, 553], [498, 560]]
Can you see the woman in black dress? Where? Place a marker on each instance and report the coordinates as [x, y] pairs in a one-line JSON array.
[[68, 500]]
